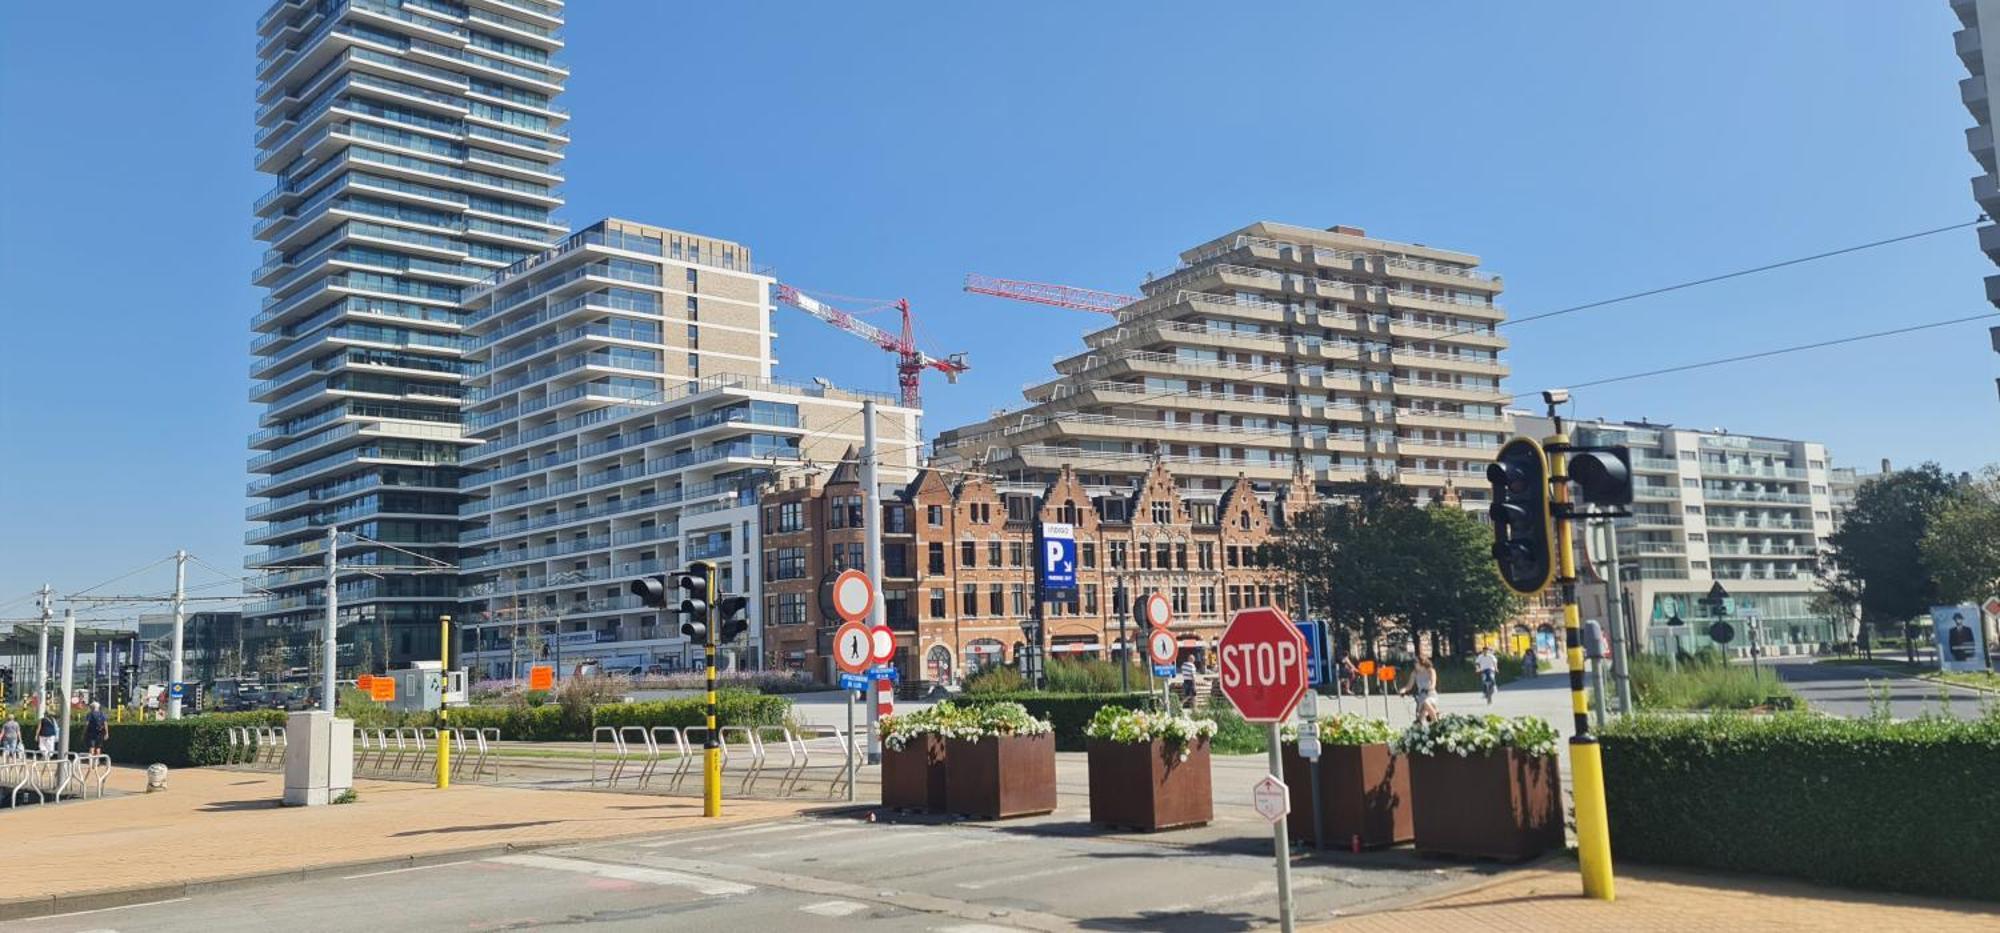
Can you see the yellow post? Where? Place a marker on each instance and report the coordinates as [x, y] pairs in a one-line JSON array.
[[1593, 835], [711, 750], [444, 715]]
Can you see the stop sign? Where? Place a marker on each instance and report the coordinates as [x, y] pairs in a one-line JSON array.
[[1263, 664]]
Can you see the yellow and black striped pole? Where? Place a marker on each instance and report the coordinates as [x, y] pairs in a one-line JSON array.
[[444, 714], [711, 749], [1593, 835]]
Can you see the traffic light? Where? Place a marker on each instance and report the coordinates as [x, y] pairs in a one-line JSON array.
[[734, 614], [6, 684], [1523, 536], [1603, 475], [694, 582], [652, 591]]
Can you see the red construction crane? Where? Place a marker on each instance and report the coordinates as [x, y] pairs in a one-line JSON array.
[[910, 361], [1062, 296]]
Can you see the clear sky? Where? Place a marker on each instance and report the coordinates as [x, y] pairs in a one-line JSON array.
[[1583, 149]]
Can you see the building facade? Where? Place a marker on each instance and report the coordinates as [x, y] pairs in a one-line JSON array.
[[414, 146], [621, 397], [1978, 45], [1271, 350], [959, 564], [1750, 513]]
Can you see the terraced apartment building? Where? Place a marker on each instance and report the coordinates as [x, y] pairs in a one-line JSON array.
[[414, 147], [1270, 350], [621, 395]]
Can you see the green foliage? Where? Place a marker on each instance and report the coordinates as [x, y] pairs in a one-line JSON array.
[[1706, 682], [1233, 736], [1089, 676], [733, 708], [1457, 675], [999, 678], [1143, 727], [1379, 559], [1876, 556], [1961, 545], [1068, 714], [347, 796], [1463, 735], [1792, 795], [190, 742]]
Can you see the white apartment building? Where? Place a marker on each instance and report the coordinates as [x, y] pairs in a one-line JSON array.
[[414, 146], [1273, 348], [1978, 47], [622, 398], [1751, 513]]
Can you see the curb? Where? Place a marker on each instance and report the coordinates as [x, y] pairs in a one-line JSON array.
[[1437, 892], [37, 907]]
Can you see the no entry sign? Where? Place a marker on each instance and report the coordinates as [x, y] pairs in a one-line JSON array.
[[1263, 662], [853, 648], [853, 596]]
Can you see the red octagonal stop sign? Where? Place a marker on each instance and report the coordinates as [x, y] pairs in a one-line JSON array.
[[1263, 660]]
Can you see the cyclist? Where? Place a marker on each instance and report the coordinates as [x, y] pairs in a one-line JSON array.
[[1488, 665]]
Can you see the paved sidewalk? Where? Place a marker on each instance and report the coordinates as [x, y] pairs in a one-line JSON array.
[[212, 826], [1659, 899]]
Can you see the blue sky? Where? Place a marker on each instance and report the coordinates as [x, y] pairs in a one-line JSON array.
[[1584, 150]]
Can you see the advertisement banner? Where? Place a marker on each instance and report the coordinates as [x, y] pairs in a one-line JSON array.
[[1961, 638]]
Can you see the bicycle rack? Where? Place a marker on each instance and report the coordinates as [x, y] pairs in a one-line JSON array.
[[682, 760], [616, 739], [652, 750]]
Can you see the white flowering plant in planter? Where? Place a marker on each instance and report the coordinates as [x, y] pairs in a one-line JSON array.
[[899, 728], [1464, 735], [1344, 729], [1141, 727], [990, 720]]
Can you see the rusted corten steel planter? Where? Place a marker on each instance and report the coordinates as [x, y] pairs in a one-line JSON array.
[[1364, 796], [914, 778], [1147, 786], [1000, 777], [1502, 805]]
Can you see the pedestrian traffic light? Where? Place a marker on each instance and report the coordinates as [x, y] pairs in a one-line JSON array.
[[1603, 475], [652, 590], [1523, 536], [6, 684], [734, 614], [694, 584]]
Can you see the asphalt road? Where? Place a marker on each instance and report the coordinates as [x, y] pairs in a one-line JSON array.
[[827, 873], [1844, 690]]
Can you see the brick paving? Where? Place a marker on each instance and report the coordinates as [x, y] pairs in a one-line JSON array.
[[212, 825], [1649, 899]]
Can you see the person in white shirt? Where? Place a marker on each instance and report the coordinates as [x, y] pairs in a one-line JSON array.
[[1488, 665]]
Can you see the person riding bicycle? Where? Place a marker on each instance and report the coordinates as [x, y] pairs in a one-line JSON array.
[[1488, 665]]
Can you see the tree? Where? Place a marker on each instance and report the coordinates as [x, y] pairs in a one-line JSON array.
[[1377, 559], [1877, 549], [1961, 546]]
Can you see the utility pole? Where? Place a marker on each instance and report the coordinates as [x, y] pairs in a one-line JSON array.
[[871, 536], [175, 671], [1614, 612], [68, 673], [331, 640], [42, 655]]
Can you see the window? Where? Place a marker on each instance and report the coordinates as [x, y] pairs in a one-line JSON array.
[[1208, 600], [694, 337], [1694, 510], [1235, 598], [1163, 555], [1090, 598], [1178, 597], [1017, 553], [694, 365], [1816, 464], [968, 554], [1180, 556], [1698, 564], [1117, 555], [1020, 508], [845, 512], [694, 308], [937, 603], [896, 609], [1118, 599], [1020, 593], [1696, 537], [1163, 512], [791, 609], [1087, 553], [1690, 483], [1243, 519], [993, 553], [1205, 555], [1819, 490], [896, 520], [790, 564], [936, 562], [934, 515], [791, 516], [968, 600], [693, 280], [1688, 455], [996, 600], [1823, 516], [1145, 557], [1229, 557], [1069, 513]]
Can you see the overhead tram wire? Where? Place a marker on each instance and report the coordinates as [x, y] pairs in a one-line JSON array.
[[125, 576]]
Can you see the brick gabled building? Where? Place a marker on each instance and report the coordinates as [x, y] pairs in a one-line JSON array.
[[959, 564]]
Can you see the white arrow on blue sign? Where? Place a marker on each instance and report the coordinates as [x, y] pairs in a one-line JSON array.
[[1058, 557]]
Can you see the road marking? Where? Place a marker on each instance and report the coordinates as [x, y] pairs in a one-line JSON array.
[[101, 910], [834, 908], [1017, 876], [685, 838], [978, 928], [710, 886], [398, 871]]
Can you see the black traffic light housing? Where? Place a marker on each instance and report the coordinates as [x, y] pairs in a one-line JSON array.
[[1603, 475], [694, 583], [1523, 534], [652, 590], [734, 615]]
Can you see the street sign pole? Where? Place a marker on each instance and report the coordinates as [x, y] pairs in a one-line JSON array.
[[1593, 834], [849, 742], [1309, 742], [1281, 847]]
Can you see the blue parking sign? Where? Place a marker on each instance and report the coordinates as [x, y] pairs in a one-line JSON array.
[[1058, 557]]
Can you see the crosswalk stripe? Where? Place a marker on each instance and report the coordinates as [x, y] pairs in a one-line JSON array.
[[834, 908], [681, 839], [710, 886]]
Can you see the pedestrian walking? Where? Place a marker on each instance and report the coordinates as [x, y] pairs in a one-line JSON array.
[[10, 739], [1529, 667], [46, 733], [1350, 676], [96, 729], [1187, 682], [1488, 665], [1423, 683]]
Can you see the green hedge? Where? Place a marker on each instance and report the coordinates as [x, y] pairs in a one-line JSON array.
[[733, 708], [1068, 713], [1894, 806], [192, 742]]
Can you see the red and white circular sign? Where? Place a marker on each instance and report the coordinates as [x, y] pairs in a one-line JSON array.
[[883, 643], [1263, 664], [1162, 646], [1156, 611], [852, 647], [853, 596]]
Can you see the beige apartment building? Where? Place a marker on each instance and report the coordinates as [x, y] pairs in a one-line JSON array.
[[1272, 349]]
